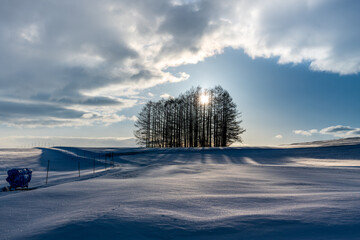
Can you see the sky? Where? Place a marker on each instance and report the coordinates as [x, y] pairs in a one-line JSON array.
[[77, 73]]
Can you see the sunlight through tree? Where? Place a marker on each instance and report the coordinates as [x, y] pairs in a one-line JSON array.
[[197, 118]]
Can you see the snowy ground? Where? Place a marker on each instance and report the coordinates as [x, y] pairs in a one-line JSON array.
[[234, 193]]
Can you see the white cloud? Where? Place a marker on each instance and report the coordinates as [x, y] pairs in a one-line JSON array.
[[336, 131], [49, 141], [339, 129], [30, 33], [165, 95], [98, 51], [302, 132], [133, 118], [84, 60], [313, 131], [87, 115], [279, 136], [150, 94], [305, 132]]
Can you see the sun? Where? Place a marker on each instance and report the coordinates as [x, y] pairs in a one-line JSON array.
[[204, 99]]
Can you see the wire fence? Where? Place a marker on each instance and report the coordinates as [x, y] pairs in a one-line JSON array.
[[82, 164]]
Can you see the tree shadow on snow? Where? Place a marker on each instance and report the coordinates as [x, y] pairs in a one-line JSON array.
[[245, 228]]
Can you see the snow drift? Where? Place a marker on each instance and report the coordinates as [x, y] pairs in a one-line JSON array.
[[231, 193]]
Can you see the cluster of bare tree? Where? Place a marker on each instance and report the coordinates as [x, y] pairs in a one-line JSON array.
[[198, 118]]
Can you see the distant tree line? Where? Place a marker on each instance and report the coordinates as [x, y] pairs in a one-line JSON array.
[[198, 118]]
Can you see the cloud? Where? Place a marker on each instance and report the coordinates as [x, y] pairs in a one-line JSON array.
[[34, 114], [165, 95], [341, 131], [279, 136], [336, 131], [86, 54], [49, 141], [305, 132], [133, 118], [30, 33], [21, 109]]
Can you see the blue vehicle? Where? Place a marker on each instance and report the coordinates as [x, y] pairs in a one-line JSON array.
[[19, 177]]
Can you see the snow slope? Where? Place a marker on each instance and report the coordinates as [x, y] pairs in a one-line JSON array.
[[231, 193]]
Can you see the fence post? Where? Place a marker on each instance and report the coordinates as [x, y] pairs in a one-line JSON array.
[[94, 164], [105, 160], [112, 156], [47, 171]]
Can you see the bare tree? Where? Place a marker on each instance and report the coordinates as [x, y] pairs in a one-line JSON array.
[[198, 118]]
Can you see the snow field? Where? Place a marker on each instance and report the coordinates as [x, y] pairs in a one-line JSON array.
[[242, 193]]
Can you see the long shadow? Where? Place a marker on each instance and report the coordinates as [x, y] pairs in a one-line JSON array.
[[259, 228], [282, 155], [62, 161]]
